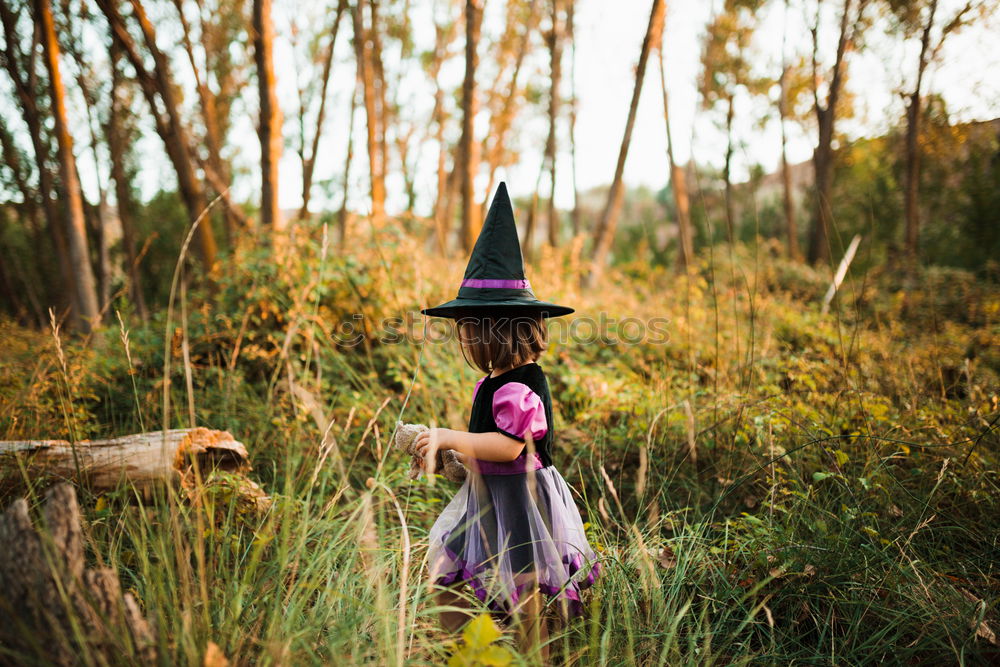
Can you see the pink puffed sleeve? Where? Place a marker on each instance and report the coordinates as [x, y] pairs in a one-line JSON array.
[[518, 411]]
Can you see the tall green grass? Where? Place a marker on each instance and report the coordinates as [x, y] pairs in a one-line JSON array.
[[838, 505]]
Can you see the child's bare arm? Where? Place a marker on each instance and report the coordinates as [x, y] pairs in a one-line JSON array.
[[484, 446]]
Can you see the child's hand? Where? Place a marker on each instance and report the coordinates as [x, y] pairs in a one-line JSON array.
[[429, 442]]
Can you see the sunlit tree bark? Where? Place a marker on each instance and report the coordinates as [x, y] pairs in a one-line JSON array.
[[85, 294], [468, 148], [269, 127], [375, 131], [375, 29]]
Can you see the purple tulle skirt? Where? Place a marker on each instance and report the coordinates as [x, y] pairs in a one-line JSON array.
[[503, 533]]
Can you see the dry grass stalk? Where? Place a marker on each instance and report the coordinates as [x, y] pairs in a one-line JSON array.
[[692, 446]]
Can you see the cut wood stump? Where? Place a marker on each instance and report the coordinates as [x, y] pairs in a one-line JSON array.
[[54, 610], [142, 459]]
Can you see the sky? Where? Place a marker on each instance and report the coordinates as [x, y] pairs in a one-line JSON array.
[[609, 35]]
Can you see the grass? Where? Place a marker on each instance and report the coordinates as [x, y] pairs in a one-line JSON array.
[[768, 485]]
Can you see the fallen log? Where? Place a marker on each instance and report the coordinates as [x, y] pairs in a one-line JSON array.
[[55, 610], [142, 459]]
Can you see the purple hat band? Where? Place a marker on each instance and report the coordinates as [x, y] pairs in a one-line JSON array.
[[496, 283]]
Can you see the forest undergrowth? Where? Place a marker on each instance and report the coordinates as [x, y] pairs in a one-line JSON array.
[[765, 483]]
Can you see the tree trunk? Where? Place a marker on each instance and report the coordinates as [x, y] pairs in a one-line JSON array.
[[378, 73], [96, 215], [555, 69], [728, 177], [169, 125], [176, 139], [366, 72], [685, 241], [819, 238], [269, 129], [86, 293], [468, 148], [527, 243], [309, 159], [451, 185], [911, 202], [117, 151], [342, 213], [103, 238], [63, 609], [442, 37], [143, 459], [571, 33], [791, 232], [406, 170], [213, 134], [608, 222]]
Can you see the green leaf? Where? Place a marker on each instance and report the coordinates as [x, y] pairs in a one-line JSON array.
[[820, 476]]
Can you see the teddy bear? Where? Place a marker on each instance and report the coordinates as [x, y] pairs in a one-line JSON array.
[[447, 461]]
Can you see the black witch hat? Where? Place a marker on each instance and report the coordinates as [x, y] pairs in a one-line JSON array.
[[494, 279]]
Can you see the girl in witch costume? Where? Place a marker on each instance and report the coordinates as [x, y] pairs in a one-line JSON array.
[[512, 532]]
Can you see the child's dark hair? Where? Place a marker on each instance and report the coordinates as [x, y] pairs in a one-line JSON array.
[[491, 342]]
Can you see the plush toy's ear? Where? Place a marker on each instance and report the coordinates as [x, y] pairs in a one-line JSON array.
[[401, 434], [406, 434]]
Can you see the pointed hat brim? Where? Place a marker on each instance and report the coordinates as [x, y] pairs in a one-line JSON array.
[[457, 308]]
